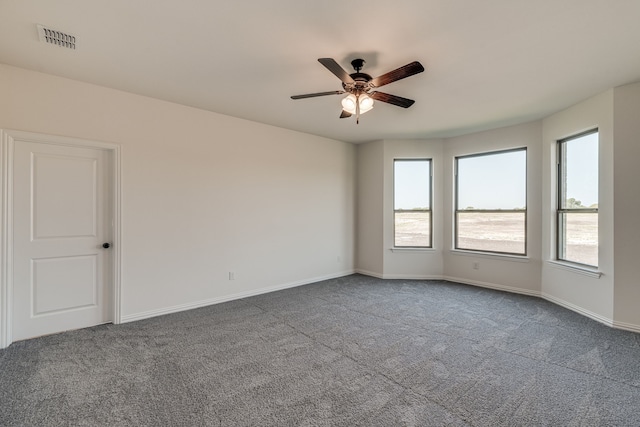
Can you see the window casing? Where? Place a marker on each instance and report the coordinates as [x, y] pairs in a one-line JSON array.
[[577, 204], [412, 216], [491, 202]]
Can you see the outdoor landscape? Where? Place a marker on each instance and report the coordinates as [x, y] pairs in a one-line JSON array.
[[501, 232], [412, 229]]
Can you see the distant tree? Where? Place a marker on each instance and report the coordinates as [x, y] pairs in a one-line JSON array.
[[469, 208], [572, 203], [594, 206]]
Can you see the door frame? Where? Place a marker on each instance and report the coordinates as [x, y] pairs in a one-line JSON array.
[[7, 142]]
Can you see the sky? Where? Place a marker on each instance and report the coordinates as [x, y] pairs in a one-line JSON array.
[[498, 180], [412, 180], [582, 169], [493, 181]]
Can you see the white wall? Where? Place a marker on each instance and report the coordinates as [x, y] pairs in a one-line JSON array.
[[591, 295], [610, 295], [516, 274], [626, 176], [375, 215], [202, 193], [370, 182], [412, 263], [205, 194], [375, 211]]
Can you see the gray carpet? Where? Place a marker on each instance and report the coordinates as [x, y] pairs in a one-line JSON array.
[[354, 351]]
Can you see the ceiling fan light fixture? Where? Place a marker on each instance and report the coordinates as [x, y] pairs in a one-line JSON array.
[[349, 103], [366, 103]]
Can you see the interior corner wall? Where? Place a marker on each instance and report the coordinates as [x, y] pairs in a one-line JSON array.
[[412, 263], [626, 176], [590, 295], [203, 194], [500, 272], [370, 201]]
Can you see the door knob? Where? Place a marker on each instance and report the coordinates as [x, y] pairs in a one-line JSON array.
[[106, 245]]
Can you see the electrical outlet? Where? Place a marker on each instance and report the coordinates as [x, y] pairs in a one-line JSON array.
[[476, 265], [232, 275]]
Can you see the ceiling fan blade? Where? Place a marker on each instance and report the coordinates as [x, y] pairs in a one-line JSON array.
[[336, 69], [345, 114], [398, 74], [392, 99], [311, 95]]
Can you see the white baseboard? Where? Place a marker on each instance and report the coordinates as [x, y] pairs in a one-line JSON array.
[[493, 286], [626, 326], [398, 276], [203, 303], [410, 277], [450, 279], [369, 273], [590, 314], [595, 316], [562, 303]]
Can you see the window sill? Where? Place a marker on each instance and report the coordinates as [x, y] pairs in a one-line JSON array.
[[488, 255], [400, 249], [591, 272]]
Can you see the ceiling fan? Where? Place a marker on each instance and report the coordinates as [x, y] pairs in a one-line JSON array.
[[359, 87]]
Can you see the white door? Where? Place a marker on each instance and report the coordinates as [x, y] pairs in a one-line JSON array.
[[61, 217]]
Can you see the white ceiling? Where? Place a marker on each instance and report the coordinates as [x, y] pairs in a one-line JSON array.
[[488, 63]]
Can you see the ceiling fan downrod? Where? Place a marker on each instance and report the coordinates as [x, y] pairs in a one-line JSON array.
[[357, 64]]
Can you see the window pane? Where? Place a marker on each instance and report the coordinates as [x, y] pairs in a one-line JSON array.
[[491, 201], [580, 243], [412, 180], [413, 229], [493, 181], [491, 231], [412, 202], [578, 189], [580, 168]]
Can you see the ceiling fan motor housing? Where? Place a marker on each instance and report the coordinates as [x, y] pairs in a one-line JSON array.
[[361, 80], [359, 85]]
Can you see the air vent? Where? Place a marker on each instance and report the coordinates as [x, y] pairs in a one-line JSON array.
[[47, 35]]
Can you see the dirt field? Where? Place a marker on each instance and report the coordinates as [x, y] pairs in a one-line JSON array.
[[501, 232], [412, 229], [494, 232], [582, 238]]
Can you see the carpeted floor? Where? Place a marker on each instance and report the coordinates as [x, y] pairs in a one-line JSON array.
[[354, 351]]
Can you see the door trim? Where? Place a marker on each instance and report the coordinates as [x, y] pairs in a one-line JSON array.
[[7, 141]]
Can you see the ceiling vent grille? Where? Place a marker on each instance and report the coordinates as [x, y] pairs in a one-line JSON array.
[[47, 35]]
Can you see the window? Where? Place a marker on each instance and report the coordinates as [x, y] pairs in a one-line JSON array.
[[412, 203], [577, 226], [491, 202]]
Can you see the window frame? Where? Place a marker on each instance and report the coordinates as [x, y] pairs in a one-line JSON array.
[[457, 209], [430, 210], [561, 195]]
